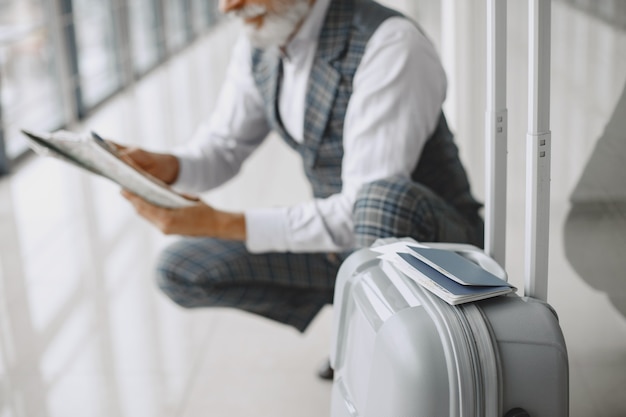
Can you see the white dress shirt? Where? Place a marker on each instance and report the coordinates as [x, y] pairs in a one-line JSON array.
[[398, 91]]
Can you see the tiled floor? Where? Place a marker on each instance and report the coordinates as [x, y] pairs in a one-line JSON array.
[[84, 331]]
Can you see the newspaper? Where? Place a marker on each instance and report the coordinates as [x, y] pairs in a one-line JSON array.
[[92, 153]]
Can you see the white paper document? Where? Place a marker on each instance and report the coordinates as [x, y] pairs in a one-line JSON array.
[[95, 155]]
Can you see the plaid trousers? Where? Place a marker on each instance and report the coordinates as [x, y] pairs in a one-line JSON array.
[[293, 287]]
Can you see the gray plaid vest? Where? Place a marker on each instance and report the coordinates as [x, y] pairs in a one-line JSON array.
[[346, 30]]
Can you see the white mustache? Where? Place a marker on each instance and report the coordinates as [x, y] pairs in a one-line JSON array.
[[250, 11]]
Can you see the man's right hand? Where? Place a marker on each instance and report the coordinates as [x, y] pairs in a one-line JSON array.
[[162, 166]]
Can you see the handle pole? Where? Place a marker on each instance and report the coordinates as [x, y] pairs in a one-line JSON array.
[[538, 147], [496, 132]]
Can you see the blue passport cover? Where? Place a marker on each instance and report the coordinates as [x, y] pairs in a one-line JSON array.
[[450, 285], [457, 267]]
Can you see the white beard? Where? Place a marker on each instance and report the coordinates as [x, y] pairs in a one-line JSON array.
[[277, 26]]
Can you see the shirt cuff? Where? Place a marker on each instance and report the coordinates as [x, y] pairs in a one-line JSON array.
[[184, 173], [188, 173], [266, 230]]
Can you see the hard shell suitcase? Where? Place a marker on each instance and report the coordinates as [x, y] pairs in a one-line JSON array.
[[400, 351]]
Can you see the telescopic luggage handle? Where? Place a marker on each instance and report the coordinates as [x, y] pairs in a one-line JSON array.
[[538, 143]]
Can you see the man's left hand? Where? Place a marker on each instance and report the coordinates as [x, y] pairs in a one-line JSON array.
[[199, 219]]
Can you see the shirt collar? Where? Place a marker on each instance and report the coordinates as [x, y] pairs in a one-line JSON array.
[[311, 27]]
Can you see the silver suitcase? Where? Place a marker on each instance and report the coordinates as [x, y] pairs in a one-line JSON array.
[[400, 351]]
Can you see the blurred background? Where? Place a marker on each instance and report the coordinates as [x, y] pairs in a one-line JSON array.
[[83, 329]]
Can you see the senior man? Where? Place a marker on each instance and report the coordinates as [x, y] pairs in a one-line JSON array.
[[357, 90]]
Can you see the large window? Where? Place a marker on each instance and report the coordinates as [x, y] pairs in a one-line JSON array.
[[61, 58], [29, 89], [145, 28], [177, 25], [97, 44], [204, 14]]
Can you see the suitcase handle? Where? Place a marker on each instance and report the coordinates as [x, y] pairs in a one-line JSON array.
[[538, 141]]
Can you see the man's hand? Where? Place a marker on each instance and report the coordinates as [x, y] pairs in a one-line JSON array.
[[162, 166], [197, 220]]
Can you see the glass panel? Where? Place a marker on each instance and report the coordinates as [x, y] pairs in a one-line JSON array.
[[96, 40], [144, 26], [176, 23], [201, 14], [29, 88]]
